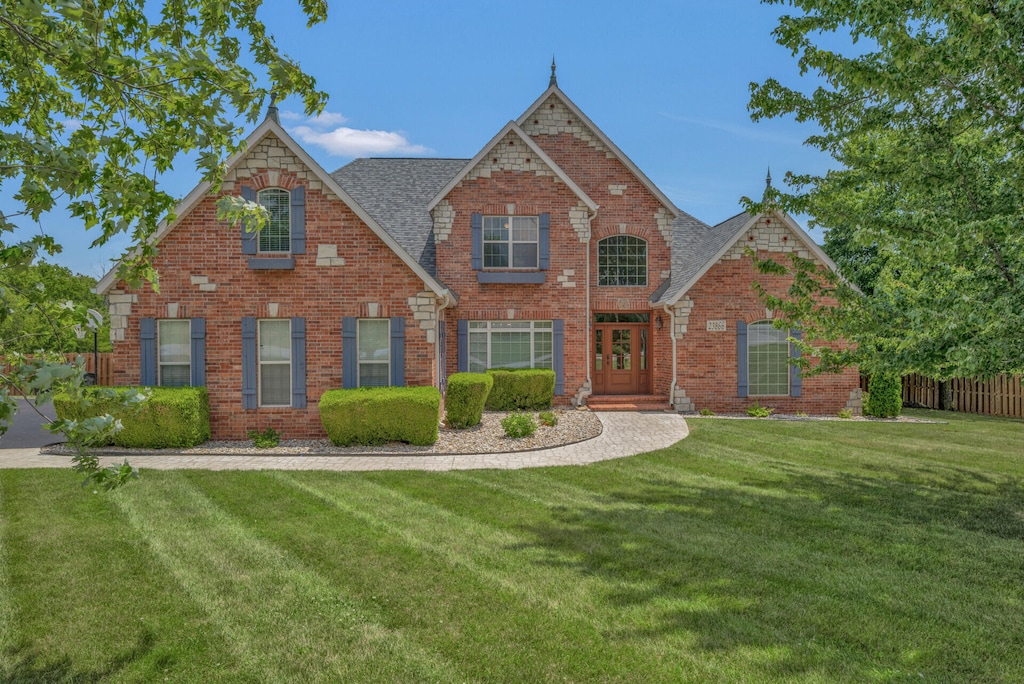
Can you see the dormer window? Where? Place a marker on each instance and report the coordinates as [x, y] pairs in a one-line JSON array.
[[511, 242], [275, 238]]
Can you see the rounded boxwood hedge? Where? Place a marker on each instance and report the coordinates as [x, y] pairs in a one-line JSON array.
[[465, 399], [377, 415], [171, 417]]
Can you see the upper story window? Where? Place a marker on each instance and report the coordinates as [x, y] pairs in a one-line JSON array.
[[174, 353], [622, 261], [767, 359], [511, 242], [276, 235]]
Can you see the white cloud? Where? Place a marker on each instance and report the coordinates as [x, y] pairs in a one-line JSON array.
[[325, 130]]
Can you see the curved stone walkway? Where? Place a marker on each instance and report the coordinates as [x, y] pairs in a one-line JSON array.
[[625, 433]]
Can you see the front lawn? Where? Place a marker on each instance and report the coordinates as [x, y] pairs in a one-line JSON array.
[[753, 551]]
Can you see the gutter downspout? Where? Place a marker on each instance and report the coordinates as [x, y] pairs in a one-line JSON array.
[[587, 389], [675, 358]]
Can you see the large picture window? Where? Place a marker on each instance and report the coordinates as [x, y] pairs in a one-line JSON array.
[[622, 261], [374, 340], [511, 241], [174, 353], [275, 362], [767, 359], [276, 235], [509, 344]]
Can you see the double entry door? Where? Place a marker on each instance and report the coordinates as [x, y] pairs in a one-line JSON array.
[[621, 362]]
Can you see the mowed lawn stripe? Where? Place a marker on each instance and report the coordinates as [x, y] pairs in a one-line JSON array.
[[87, 601], [284, 620], [532, 612]]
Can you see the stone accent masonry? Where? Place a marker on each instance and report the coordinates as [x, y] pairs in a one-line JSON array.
[[444, 219], [769, 235], [424, 312], [267, 158], [553, 117], [119, 304], [327, 255], [579, 219], [510, 154]]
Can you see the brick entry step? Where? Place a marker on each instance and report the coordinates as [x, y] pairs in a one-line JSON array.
[[627, 402]]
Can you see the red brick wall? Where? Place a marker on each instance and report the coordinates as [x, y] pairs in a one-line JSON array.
[[202, 246], [708, 360]]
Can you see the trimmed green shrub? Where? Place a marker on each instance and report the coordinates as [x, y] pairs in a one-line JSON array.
[[268, 439], [549, 418], [518, 425], [377, 415], [885, 396], [464, 402], [529, 389], [171, 417]]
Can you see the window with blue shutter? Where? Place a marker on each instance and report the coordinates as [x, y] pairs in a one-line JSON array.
[[477, 226], [147, 352], [463, 330], [298, 363], [249, 362], [558, 354], [198, 352], [795, 381], [397, 351], [349, 353], [544, 246], [248, 237], [298, 216], [741, 359]]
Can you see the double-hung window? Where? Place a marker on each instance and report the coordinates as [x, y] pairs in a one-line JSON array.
[[768, 368], [509, 344], [622, 261], [511, 242], [276, 235], [374, 344], [275, 362], [174, 356]]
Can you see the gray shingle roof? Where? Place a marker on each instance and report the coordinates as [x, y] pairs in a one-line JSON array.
[[395, 192], [694, 245]]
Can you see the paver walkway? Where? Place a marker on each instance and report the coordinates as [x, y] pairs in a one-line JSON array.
[[625, 434]]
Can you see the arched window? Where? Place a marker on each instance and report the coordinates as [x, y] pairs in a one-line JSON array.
[[276, 235], [767, 359], [622, 261]]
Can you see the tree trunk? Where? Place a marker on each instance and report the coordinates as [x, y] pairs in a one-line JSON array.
[[945, 395]]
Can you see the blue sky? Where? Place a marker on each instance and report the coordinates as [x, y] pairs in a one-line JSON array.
[[667, 80]]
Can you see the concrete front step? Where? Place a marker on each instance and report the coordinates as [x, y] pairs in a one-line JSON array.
[[627, 402]]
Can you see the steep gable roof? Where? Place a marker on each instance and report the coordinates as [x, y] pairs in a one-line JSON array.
[[512, 128], [554, 90], [271, 127], [696, 247], [396, 192]]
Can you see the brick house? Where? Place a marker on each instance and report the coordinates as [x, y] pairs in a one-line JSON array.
[[549, 248]]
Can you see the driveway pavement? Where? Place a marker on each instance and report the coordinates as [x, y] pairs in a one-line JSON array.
[[26, 431], [625, 433]]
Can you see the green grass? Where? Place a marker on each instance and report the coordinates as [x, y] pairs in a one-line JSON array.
[[755, 551]]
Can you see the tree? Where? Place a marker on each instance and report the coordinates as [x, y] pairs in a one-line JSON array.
[[32, 298], [99, 99], [925, 115]]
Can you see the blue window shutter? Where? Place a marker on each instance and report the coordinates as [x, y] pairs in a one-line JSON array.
[[558, 355], [198, 352], [248, 239], [349, 353], [741, 359], [298, 216], [249, 362], [147, 352], [298, 363], [478, 242], [397, 351], [463, 346], [545, 241], [795, 381]]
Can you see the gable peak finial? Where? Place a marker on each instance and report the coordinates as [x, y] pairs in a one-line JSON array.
[[553, 81], [768, 180], [272, 109]]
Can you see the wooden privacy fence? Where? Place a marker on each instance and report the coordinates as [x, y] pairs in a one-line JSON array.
[[104, 374], [1002, 395]]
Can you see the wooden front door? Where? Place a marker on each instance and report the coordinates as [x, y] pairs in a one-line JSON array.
[[621, 358]]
